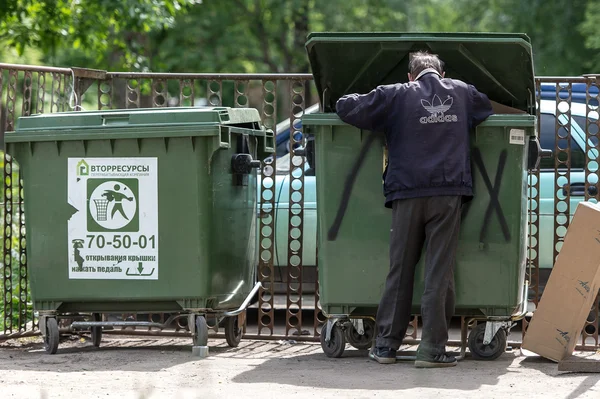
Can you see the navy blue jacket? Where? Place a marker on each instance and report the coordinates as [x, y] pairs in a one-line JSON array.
[[426, 125]]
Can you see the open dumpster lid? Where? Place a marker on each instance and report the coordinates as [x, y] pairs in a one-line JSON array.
[[497, 64]]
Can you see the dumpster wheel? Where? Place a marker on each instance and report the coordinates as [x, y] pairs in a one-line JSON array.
[[364, 341], [491, 351], [201, 333], [233, 333], [96, 331], [52, 336], [337, 342]]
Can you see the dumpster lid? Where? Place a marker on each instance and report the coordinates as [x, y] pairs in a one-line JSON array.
[[207, 116], [497, 64]]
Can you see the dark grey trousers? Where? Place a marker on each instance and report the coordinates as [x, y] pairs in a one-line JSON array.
[[435, 223]]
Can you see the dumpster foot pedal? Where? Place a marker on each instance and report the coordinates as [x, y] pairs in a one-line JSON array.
[[200, 351]]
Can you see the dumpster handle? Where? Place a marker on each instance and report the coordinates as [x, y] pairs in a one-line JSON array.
[[246, 302], [522, 312]]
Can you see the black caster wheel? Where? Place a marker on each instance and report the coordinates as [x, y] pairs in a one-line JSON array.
[[491, 351], [201, 334], [52, 336], [96, 331], [364, 341], [233, 332], [337, 342]]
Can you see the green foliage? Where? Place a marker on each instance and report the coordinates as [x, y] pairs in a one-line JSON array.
[[269, 35], [237, 35], [590, 29], [560, 47], [108, 31]]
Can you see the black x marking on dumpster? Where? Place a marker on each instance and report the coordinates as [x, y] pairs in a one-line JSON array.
[[493, 191], [348, 185]]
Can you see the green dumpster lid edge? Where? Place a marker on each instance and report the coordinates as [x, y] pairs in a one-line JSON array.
[[503, 120], [498, 64], [83, 133], [144, 116]]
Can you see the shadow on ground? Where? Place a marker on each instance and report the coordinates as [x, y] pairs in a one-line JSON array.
[[136, 354], [356, 371], [144, 354], [550, 368]]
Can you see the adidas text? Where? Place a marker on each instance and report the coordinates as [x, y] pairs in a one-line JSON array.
[[438, 118]]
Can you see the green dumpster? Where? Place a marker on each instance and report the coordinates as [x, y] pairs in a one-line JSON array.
[[353, 224], [141, 211]]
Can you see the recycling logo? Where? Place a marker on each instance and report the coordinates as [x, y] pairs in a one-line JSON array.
[[113, 205]]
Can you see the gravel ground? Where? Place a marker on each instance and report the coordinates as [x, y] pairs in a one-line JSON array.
[[143, 367]]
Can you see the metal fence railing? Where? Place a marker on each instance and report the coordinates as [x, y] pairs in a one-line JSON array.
[[290, 278]]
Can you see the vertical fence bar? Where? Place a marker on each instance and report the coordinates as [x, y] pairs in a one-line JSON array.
[[67, 89], [41, 93], [590, 330], [133, 93], [186, 93], [319, 317], [55, 92], [8, 247], [240, 90], [11, 97], [160, 95], [213, 93], [105, 90], [534, 216], [241, 93], [296, 212], [533, 194], [266, 313], [562, 168], [7, 225], [27, 85], [23, 287]]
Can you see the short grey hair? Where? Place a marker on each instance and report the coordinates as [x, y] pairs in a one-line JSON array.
[[422, 60]]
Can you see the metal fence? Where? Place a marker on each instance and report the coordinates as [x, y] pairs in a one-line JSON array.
[[27, 89]]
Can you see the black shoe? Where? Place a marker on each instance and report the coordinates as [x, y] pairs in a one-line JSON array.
[[383, 355], [435, 361]]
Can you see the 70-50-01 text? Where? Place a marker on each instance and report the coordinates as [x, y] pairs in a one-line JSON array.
[[121, 241]]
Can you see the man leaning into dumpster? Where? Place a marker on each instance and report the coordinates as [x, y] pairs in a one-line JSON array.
[[428, 177]]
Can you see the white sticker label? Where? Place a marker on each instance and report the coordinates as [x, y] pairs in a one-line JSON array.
[[113, 232], [517, 136]]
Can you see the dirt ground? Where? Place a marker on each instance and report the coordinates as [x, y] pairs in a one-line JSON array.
[[143, 367]]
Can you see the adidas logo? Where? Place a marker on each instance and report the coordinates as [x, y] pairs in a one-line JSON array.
[[436, 108]]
